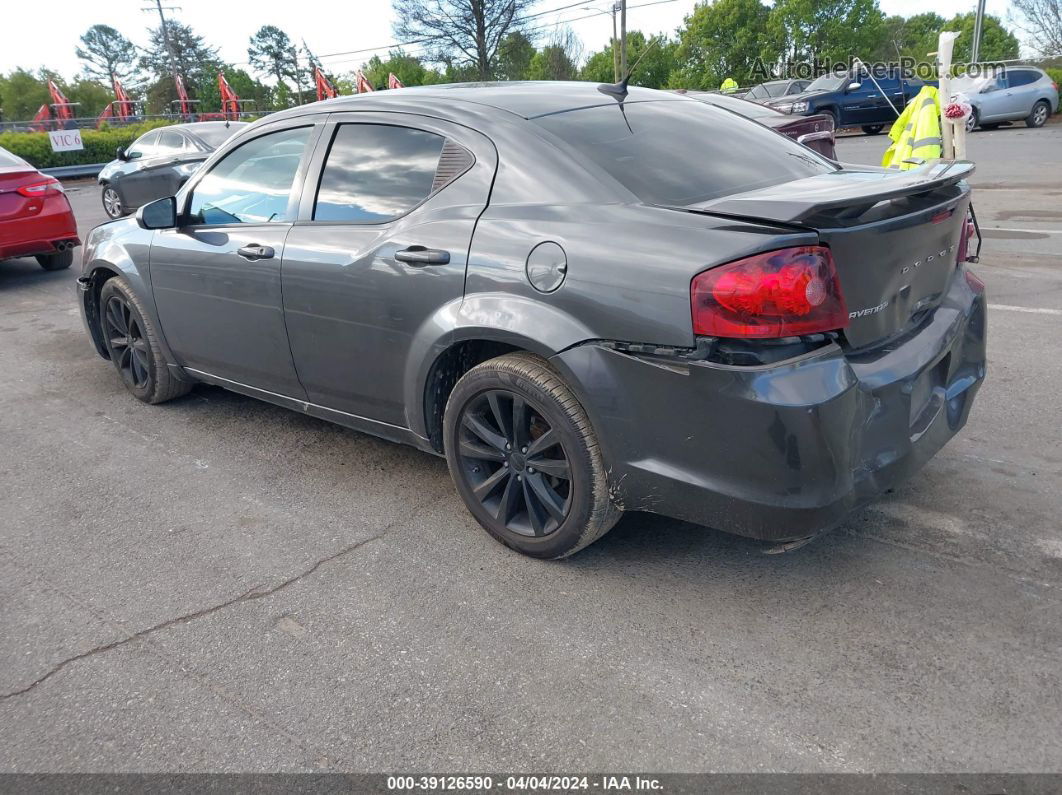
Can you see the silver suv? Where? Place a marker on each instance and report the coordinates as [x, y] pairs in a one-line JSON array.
[[1021, 92]]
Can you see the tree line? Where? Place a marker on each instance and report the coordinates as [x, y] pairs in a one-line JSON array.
[[461, 40]]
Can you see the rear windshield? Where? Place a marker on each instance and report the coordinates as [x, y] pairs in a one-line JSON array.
[[8, 159], [680, 153], [216, 136], [751, 110]]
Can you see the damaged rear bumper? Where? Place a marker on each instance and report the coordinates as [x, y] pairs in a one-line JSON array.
[[784, 451]]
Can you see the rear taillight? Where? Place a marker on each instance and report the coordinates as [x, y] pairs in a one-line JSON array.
[[781, 293], [41, 188], [974, 281]]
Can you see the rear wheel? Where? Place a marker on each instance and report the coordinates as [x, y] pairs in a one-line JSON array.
[[524, 458], [56, 262], [133, 346], [873, 129], [112, 202], [1040, 111]]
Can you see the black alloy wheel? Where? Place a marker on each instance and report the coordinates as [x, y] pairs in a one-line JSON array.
[[126, 342], [515, 463]]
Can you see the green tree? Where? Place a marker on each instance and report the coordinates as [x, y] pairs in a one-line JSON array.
[[246, 87], [514, 57], [407, 68], [92, 96], [912, 37], [559, 59], [460, 32], [654, 68], [107, 55], [997, 43], [831, 31], [193, 58], [271, 53], [717, 41], [21, 94]]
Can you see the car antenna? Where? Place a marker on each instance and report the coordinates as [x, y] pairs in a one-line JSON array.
[[619, 90]]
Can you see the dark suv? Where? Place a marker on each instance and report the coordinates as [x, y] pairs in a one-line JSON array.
[[854, 99], [581, 298]]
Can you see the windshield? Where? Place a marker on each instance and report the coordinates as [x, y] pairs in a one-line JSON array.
[[677, 153], [827, 83], [216, 136], [777, 88]]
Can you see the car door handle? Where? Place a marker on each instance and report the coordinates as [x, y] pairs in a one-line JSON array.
[[255, 251], [420, 256]]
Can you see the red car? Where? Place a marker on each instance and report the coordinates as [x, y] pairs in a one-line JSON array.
[[35, 215], [815, 132]]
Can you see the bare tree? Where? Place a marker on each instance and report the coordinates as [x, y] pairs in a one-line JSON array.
[[473, 28], [1041, 20]]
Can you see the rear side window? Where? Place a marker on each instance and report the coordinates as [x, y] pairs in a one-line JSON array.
[[1021, 77], [757, 92], [683, 152], [170, 141], [376, 172]]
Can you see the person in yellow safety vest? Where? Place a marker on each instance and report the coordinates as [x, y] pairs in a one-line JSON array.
[[916, 133], [729, 86]]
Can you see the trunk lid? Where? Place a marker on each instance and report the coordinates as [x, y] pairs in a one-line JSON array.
[[12, 204], [894, 237]]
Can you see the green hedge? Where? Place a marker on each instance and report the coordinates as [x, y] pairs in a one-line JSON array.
[[36, 149], [1056, 75]]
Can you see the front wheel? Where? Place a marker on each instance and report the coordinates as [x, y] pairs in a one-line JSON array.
[[1039, 114], [972, 120], [873, 129], [133, 346], [524, 458], [112, 202]]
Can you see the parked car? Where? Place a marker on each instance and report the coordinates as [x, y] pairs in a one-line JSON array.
[[588, 303], [761, 92], [853, 99], [158, 162], [815, 132], [1020, 93], [35, 215]]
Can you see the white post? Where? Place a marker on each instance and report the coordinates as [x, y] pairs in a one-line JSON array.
[[945, 46]]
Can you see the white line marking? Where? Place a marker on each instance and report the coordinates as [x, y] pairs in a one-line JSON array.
[[1033, 310], [1034, 231]]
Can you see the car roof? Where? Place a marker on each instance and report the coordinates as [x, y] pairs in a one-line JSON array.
[[196, 127], [526, 99]]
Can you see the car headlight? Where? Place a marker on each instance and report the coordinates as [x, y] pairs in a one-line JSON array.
[[784, 108], [798, 107]]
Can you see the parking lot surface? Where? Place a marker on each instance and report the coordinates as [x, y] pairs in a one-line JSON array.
[[220, 584]]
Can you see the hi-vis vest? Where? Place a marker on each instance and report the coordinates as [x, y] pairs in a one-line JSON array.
[[729, 86], [916, 134]]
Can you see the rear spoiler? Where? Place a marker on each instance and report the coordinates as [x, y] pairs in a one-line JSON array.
[[846, 193]]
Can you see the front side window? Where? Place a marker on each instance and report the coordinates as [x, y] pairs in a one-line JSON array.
[[144, 146], [757, 92], [376, 172], [677, 153], [253, 183]]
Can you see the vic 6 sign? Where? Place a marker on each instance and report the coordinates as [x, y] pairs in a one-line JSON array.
[[66, 140]]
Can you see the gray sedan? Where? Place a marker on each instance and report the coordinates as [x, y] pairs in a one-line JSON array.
[[158, 162], [583, 296], [1021, 93]]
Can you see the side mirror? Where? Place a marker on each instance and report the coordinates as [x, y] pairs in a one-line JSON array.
[[120, 154], [159, 214], [853, 86]]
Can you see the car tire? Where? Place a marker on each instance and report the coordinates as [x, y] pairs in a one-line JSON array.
[[112, 202], [1038, 117], [525, 459], [833, 115], [58, 261], [133, 346], [873, 129], [972, 120]]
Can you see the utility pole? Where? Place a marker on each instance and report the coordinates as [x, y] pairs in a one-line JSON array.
[[615, 46], [979, 21], [298, 77], [165, 30], [623, 38]]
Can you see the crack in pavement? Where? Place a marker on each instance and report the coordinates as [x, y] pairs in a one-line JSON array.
[[249, 595]]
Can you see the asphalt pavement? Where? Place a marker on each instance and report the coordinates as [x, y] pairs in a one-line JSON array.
[[219, 584]]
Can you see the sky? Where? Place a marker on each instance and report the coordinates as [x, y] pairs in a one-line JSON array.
[[46, 32]]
